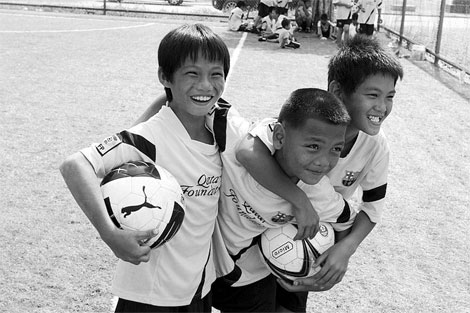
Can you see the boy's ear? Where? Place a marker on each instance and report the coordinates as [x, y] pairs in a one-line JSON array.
[[335, 88], [163, 80], [279, 135]]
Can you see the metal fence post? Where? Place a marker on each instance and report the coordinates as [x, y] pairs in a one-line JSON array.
[[437, 50], [402, 25], [104, 7]]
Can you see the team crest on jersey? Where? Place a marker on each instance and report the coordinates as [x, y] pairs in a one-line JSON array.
[[281, 218], [350, 178], [108, 144]]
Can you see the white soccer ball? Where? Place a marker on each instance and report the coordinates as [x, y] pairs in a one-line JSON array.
[[143, 196], [289, 259]]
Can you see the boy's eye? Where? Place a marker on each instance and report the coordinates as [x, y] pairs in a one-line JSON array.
[[218, 74], [314, 147], [338, 149]]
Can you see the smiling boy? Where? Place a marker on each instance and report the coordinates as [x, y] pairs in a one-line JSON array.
[[176, 277]]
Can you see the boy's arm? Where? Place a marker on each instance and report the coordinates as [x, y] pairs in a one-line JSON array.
[[152, 109], [256, 158], [84, 186]]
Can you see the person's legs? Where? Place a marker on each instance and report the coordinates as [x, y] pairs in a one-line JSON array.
[[197, 305], [287, 301]]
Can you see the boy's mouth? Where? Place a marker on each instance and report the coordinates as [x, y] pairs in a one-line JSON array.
[[201, 98], [375, 118]]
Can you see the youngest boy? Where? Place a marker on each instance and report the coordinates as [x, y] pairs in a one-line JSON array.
[[286, 38]]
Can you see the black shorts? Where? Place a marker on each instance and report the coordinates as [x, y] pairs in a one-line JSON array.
[[256, 297], [263, 9], [293, 301], [197, 305], [341, 23], [366, 29]]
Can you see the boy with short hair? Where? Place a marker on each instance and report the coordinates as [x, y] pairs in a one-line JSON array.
[[271, 25], [286, 37], [363, 75], [176, 277], [235, 19], [324, 27]]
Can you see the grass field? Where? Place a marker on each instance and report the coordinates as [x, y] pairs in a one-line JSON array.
[[69, 80]]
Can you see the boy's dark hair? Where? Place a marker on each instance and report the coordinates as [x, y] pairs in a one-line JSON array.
[[306, 103], [359, 58], [190, 41], [241, 4], [355, 16], [324, 17], [273, 9], [285, 22]]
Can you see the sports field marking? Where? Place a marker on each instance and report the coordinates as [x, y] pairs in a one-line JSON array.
[[68, 30], [234, 57]]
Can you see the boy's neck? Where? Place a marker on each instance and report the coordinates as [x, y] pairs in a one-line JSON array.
[[349, 140], [196, 128]]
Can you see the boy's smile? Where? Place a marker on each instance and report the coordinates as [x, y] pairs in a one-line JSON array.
[[370, 104], [309, 152], [196, 87]]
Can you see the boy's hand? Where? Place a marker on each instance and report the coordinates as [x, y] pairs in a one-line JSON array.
[[307, 221], [130, 246], [334, 263]]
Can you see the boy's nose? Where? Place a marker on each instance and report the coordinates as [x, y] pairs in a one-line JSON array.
[[204, 83]]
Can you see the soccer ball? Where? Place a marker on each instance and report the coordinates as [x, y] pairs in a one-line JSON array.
[[143, 196], [289, 259]]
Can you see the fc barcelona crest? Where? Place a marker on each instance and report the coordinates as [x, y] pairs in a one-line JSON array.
[[282, 218], [350, 178]]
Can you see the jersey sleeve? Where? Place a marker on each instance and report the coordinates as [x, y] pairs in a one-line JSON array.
[[374, 185], [264, 131], [125, 146]]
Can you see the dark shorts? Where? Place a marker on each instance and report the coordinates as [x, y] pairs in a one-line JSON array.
[[341, 23], [256, 297], [293, 301], [366, 29], [199, 305], [263, 9]]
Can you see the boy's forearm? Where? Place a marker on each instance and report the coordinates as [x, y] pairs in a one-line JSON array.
[[362, 226], [84, 186]]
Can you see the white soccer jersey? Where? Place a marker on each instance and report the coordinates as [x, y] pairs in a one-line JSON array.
[[247, 209], [343, 9], [368, 11], [273, 26], [182, 268], [364, 169]]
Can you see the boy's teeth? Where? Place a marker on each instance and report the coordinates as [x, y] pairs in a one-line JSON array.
[[374, 119], [201, 98]]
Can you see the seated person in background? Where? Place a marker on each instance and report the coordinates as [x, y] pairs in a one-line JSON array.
[[271, 25], [303, 15], [235, 19], [325, 27], [286, 36]]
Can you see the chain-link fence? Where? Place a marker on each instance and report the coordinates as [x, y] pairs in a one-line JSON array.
[[443, 27]]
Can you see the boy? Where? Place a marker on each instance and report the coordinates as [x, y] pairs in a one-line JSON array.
[[235, 20], [263, 11], [176, 277], [368, 10], [286, 38], [308, 138], [303, 15], [343, 19], [363, 75], [271, 25], [324, 27]]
